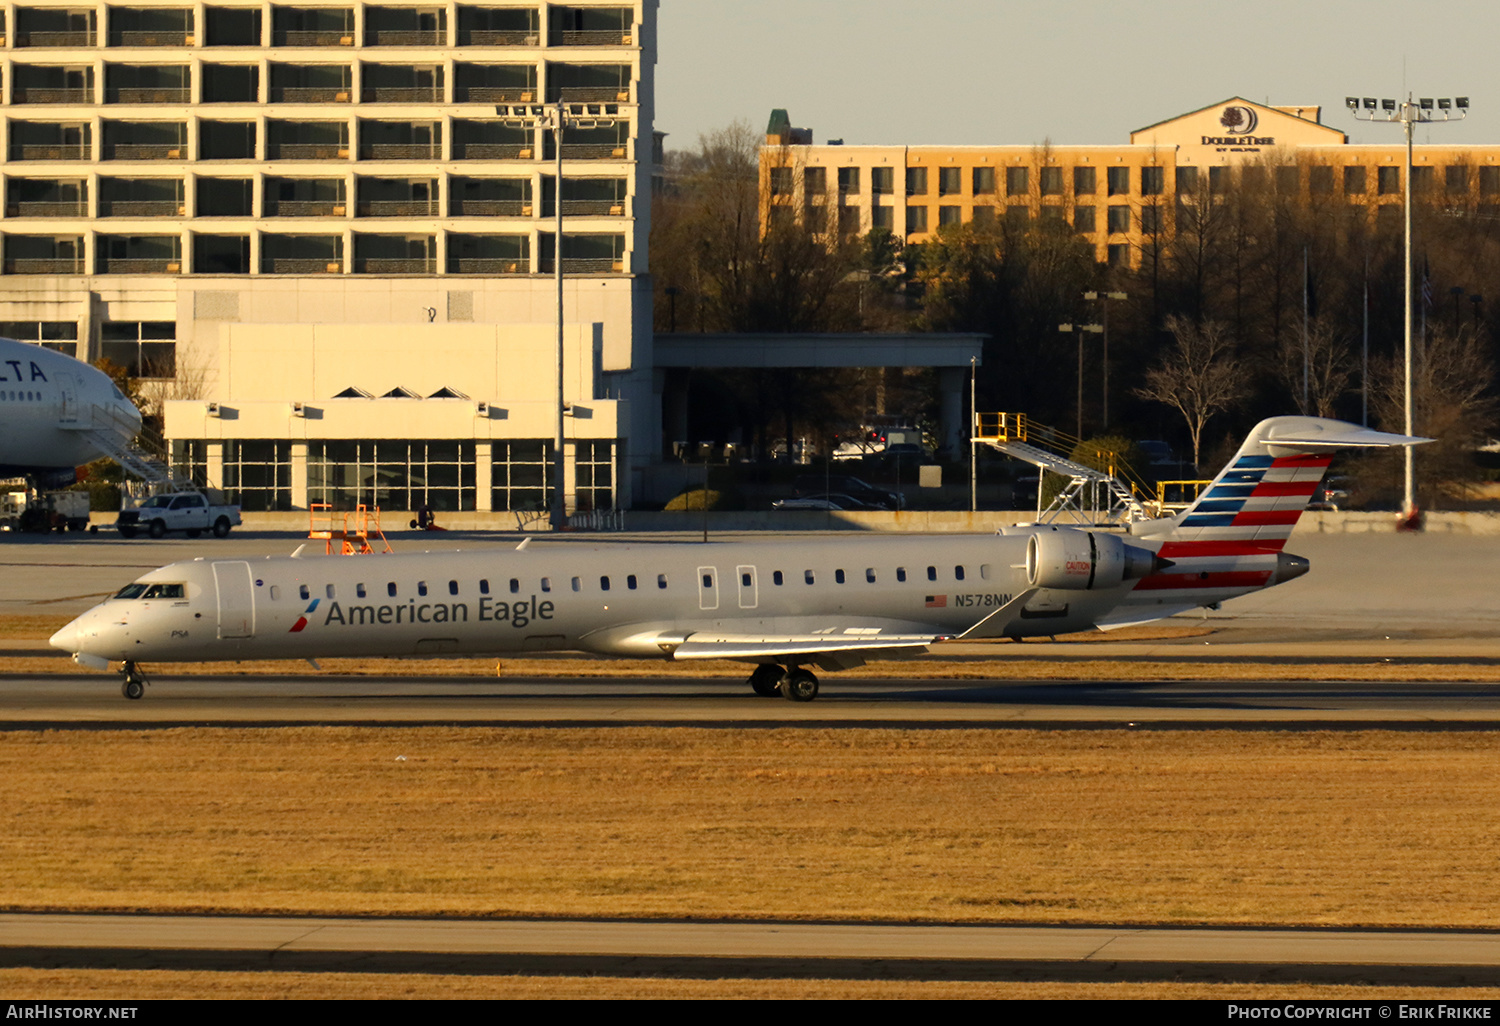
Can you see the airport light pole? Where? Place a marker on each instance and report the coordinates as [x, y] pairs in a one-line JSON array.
[[1408, 114], [554, 117], [1080, 330], [1105, 297]]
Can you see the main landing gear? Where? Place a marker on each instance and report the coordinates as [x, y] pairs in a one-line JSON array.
[[795, 685], [133, 684]]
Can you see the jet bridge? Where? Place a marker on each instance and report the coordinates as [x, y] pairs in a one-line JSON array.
[[1090, 495]]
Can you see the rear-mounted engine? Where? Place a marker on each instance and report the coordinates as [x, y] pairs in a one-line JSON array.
[[1072, 560]]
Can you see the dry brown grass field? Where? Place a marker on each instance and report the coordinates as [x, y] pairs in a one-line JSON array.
[[121, 985], [1373, 827]]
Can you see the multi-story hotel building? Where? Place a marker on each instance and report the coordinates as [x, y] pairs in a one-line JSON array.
[[307, 225], [1119, 197]]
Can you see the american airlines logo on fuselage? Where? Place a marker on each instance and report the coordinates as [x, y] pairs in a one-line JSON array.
[[518, 614]]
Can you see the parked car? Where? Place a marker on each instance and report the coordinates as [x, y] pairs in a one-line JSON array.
[[810, 485], [824, 502], [190, 512]]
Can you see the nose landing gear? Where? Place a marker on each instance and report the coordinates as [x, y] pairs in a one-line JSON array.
[[133, 684]]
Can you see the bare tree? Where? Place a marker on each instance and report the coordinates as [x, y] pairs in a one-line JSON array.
[[1197, 376], [1328, 361]]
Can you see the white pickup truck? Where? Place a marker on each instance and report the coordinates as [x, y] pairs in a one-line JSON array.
[[178, 511]]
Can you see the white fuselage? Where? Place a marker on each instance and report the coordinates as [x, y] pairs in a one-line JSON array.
[[626, 599], [50, 405]]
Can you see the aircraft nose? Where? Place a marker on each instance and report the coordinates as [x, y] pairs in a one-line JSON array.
[[67, 638]]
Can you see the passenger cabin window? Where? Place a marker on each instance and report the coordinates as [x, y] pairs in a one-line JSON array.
[[421, 588], [901, 573], [958, 573], [275, 593], [932, 573], [452, 587], [304, 591], [359, 589], [329, 591], [604, 584], [838, 575], [745, 580], [870, 574], [390, 588], [984, 571], [484, 586], [708, 580], [776, 578], [661, 581], [515, 585], [630, 582], [577, 584], [807, 575], [546, 584]]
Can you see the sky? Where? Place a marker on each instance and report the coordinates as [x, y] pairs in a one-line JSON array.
[[1000, 72]]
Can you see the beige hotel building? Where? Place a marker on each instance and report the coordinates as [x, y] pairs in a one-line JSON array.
[[306, 227], [1116, 196]]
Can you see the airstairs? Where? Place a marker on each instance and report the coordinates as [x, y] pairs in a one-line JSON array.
[[138, 455], [1090, 495]]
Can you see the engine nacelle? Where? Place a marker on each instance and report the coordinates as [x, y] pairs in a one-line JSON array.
[[1071, 560]]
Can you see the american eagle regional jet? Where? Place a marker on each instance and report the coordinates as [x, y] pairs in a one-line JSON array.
[[783, 605]]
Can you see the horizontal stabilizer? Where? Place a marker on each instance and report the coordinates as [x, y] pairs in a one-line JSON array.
[[1315, 434]]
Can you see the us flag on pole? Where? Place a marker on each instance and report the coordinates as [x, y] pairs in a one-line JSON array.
[[937, 601]]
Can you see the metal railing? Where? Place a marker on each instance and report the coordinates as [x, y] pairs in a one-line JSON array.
[[34, 94], [592, 151], [336, 37], [589, 94], [75, 38], [307, 208], [310, 94], [592, 208], [134, 94], [311, 151], [492, 208], [397, 208], [57, 151], [495, 94], [487, 265], [395, 265], [593, 37], [44, 265], [48, 208], [585, 265], [401, 94], [500, 37], [140, 265], [300, 265], [493, 151], [144, 208], [168, 37], [401, 151], [144, 151], [406, 37]]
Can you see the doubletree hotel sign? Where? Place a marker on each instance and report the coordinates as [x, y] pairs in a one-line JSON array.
[[1239, 131]]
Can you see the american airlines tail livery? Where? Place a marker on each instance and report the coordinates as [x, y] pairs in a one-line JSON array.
[[784, 605]]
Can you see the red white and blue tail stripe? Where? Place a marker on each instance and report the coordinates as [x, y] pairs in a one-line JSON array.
[[1230, 541]]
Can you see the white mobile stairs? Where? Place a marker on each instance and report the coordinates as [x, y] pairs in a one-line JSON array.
[[138, 452], [1089, 494]]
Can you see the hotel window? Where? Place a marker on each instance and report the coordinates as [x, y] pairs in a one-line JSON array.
[[1320, 180], [146, 349], [1153, 181], [1218, 180], [848, 181], [916, 220], [1017, 181], [916, 181], [1421, 179], [781, 181], [1053, 213], [1052, 181], [983, 215], [1119, 255], [1288, 179], [1456, 178], [1187, 181], [1084, 183], [1118, 181], [950, 181], [848, 220], [1354, 181], [814, 181], [883, 217], [1388, 181], [1489, 181], [1018, 216], [984, 181], [951, 215], [1150, 219], [1083, 220], [1118, 219], [882, 181]]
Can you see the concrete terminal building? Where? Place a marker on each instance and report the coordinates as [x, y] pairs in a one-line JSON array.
[[305, 225], [1120, 197]]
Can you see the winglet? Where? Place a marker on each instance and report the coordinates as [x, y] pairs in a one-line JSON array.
[[524, 542]]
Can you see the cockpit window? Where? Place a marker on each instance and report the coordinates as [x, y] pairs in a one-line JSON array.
[[142, 590]]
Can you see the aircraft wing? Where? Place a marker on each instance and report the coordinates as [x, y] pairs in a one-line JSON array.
[[714, 645]]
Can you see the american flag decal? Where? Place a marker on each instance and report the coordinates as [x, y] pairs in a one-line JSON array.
[[937, 601]]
